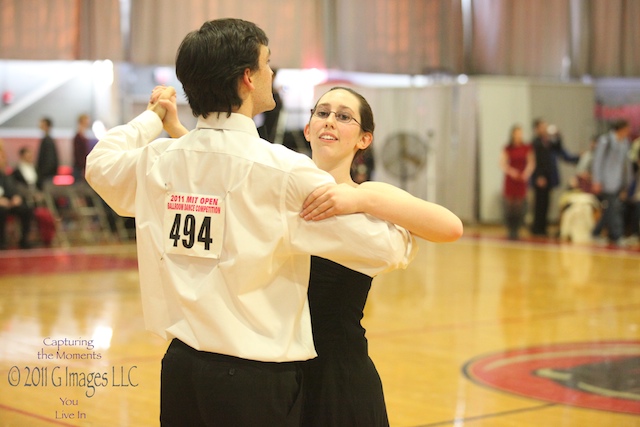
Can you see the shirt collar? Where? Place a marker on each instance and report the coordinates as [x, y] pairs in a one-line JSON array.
[[237, 122]]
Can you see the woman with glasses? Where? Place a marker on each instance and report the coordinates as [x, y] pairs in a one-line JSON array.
[[342, 386]]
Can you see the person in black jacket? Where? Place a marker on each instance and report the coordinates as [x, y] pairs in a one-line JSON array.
[[47, 163], [547, 147]]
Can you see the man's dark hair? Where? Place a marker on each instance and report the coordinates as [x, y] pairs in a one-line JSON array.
[[48, 121], [536, 122], [616, 125], [211, 60]]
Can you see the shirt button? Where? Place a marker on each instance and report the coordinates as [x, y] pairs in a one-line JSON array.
[[232, 371]]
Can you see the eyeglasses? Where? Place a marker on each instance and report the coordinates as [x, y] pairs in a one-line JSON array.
[[342, 117]]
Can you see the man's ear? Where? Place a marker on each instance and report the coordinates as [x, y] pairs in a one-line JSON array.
[[247, 79]]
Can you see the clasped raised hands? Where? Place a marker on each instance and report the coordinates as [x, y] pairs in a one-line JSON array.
[[163, 103], [162, 98]]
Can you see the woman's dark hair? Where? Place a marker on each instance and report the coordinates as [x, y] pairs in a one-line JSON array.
[[211, 60]]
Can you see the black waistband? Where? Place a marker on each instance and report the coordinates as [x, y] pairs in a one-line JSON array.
[[178, 345]]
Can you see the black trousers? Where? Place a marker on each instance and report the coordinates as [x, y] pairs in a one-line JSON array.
[[514, 213], [540, 210], [25, 214], [208, 389]]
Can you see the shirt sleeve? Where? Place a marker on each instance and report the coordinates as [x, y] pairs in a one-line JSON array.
[[358, 241], [112, 164], [566, 156]]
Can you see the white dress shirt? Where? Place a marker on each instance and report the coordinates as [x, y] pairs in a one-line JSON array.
[[223, 254], [28, 171]]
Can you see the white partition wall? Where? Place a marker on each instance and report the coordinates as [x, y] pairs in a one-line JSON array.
[[502, 102], [458, 186]]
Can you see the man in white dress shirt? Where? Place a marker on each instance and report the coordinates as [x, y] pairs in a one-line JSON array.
[[224, 255]]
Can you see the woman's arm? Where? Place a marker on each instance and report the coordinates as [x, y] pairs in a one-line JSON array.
[[384, 201], [530, 166], [170, 121], [506, 167]]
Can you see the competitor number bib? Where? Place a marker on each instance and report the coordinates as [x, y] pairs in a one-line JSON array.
[[193, 224]]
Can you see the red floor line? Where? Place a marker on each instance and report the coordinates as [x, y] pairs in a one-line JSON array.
[[54, 251], [509, 320], [487, 416], [64, 263], [36, 416], [550, 242]]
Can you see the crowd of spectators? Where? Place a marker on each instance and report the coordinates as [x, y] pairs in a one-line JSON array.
[[601, 204]]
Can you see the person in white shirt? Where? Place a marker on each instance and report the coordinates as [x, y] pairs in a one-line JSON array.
[[25, 171], [342, 385], [223, 252]]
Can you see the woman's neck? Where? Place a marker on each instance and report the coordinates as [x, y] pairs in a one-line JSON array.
[[342, 178], [340, 171]]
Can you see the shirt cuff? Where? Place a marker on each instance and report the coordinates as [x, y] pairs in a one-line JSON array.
[[149, 124]]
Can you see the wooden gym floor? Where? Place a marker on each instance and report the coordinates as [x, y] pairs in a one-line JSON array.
[[481, 332]]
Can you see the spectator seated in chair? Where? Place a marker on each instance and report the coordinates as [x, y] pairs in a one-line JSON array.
[[26, 177], [579, 211], [12, 203]]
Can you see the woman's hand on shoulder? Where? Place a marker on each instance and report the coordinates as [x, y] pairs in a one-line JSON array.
[[330, 200]]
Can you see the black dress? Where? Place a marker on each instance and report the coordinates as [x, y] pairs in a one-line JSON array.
[[342, 386]]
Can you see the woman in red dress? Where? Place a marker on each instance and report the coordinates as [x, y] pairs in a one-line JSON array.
[[517, 162]]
